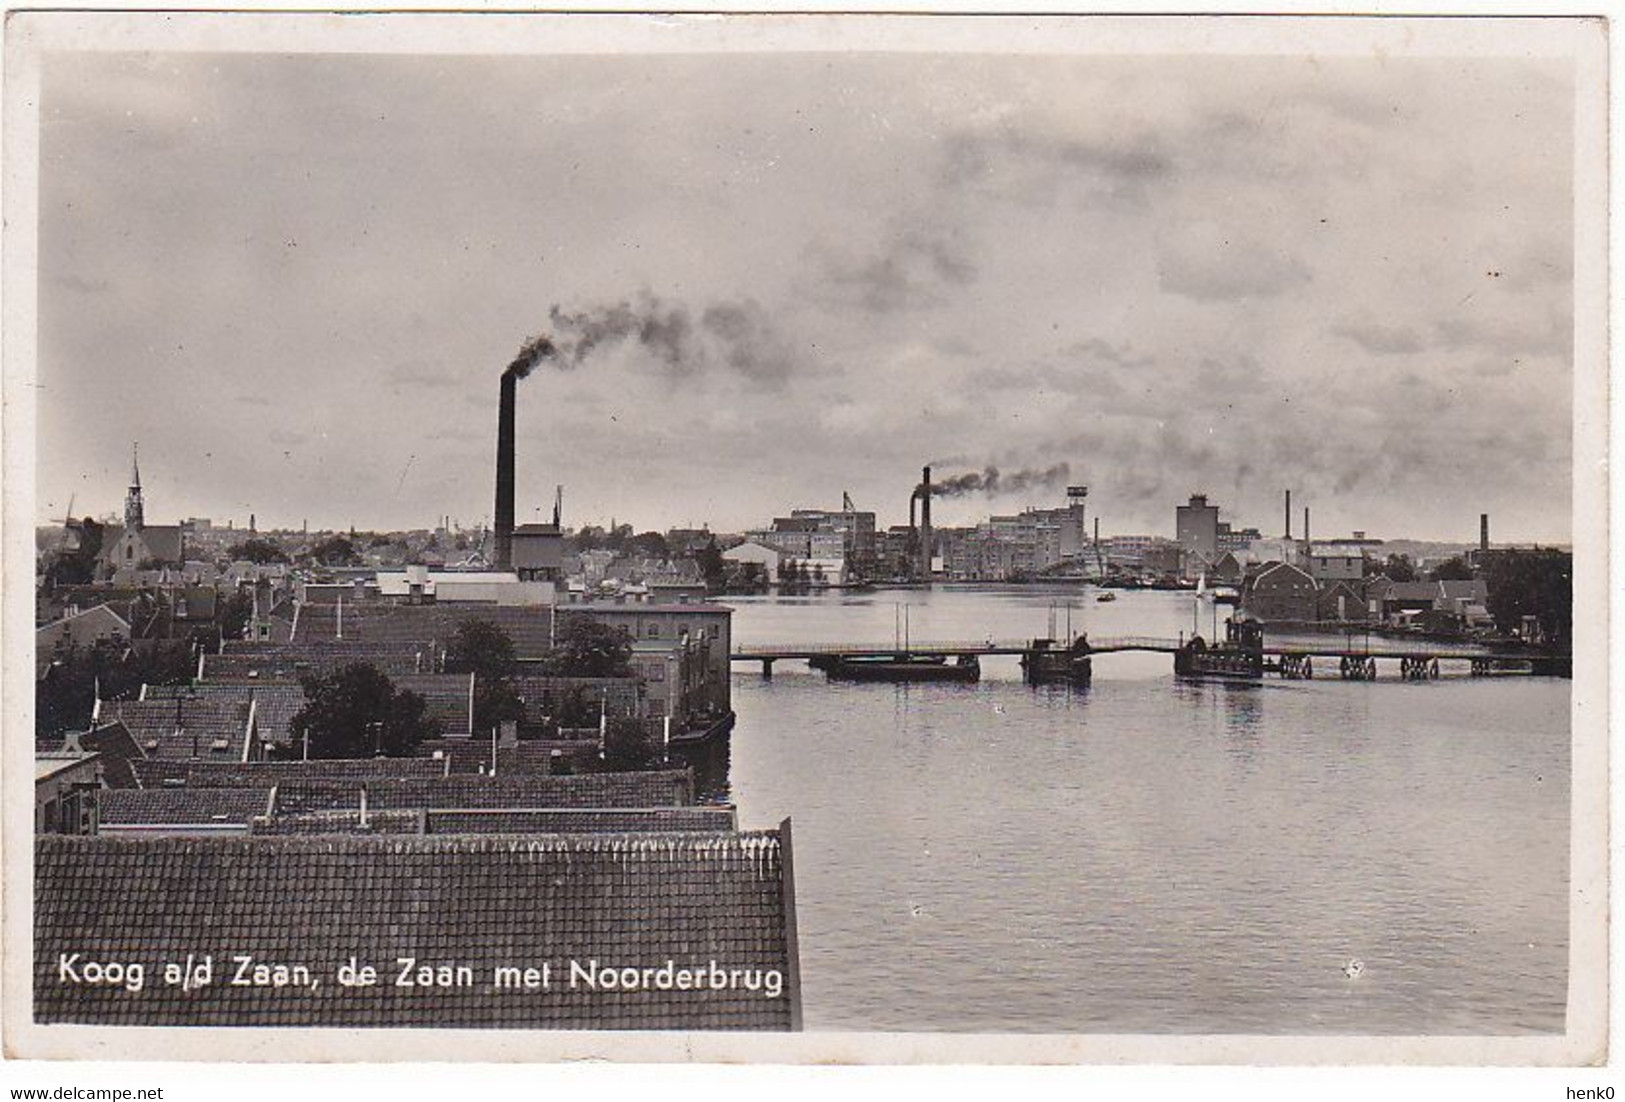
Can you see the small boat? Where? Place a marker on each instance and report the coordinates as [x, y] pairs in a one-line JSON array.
[[899, 667], [1106, 596]]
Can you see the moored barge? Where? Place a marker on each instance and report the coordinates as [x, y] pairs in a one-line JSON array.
[[899, 667], [1239, 658]]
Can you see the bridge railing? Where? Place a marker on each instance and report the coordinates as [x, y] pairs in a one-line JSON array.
[[768, 650], [746, 651]]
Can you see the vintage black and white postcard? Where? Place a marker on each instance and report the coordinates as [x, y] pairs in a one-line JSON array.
[[806, 538]]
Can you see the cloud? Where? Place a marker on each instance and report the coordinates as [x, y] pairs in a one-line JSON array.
[[1098, 348], [1381, 340], [914, 269], [972, 158], [417, 373], [1210, 264], [1552, 335], [750, 342]]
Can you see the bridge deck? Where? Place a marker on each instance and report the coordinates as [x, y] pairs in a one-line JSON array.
[[1298, 647]]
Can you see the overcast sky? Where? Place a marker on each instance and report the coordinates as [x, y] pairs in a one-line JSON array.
[[296, 279]]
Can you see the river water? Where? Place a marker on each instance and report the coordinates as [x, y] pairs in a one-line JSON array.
[[1150, 856]]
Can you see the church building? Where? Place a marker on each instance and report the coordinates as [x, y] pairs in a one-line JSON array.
[[139, 545]]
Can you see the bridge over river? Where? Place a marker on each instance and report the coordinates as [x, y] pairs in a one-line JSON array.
[[1291, 654]]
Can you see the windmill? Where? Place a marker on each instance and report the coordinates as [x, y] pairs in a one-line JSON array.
[[67, 523]]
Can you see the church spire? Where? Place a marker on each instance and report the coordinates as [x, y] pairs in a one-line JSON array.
[[134, 513]]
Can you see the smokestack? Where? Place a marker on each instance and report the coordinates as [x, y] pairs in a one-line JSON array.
[[925, 523], [504, 510], [1483, 533], [1306, 524], [1289, 514]]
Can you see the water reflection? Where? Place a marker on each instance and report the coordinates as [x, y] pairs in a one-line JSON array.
[[1148, 855]]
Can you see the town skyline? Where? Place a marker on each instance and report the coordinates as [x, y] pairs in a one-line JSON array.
[[1347, 277]]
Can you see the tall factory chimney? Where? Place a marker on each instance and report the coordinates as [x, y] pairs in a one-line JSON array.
[[1483, 533], [1289, 514], [504, 510], [925, 524], [1306, 539]]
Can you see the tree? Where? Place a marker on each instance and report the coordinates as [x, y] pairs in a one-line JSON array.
[[234, 614], [584, 647], [483, 649], [1533, 583], [588, 538], [66, 692], [358, 713], [256, 550], [579, 709], [335, 551], [1399, 568], [630, 744], [712, 566], [1453, 569], [651, 545], [77, 566]]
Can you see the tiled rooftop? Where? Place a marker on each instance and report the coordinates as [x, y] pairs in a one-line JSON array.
[[263, 773], [535, 756], [176, 806], [668, 788], [627, 901], [204, 728], [448, 699], [504, 821], [275, 702], [418, 627], [118, 751], [544, 695], [251, 663]]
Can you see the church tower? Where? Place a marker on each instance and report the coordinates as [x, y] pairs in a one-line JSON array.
[[134, 514]]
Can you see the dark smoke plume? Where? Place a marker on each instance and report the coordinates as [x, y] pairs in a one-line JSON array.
[[990, 481], [531, 353], [666, 332], [740, 336]]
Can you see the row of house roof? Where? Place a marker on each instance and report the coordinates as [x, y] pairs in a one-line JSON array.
[[1281, 591], [604, 923]]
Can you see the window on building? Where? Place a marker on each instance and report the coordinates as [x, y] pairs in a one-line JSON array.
[[653, 631]]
